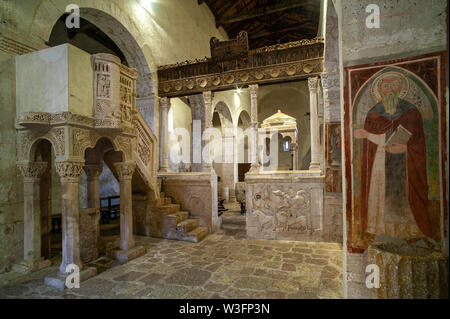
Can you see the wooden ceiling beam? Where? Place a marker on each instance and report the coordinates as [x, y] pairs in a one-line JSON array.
[[257, 12], [275, 32]]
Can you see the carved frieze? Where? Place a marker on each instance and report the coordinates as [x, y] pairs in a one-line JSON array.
[[273, 64]]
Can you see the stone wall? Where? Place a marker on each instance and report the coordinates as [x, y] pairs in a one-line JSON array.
[[196, 193], [285, 205]]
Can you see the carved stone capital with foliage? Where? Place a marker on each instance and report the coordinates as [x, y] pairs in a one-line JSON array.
[[93, 171], [69, 170], [32, 170], [125, 170]]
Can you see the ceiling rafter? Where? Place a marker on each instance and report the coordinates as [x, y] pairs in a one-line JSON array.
[[261, 11]]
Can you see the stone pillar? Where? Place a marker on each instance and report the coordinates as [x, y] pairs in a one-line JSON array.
[[125, 171], [294, 156], [198, 114], [207, 161], [164, 107], [93, 172], [314, 122], [32, 173], [69, 173], [254, 118]]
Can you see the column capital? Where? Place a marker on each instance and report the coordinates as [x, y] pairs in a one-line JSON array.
[[125, 169], [93, 170], [208, 96], [312, 83], [69, 170], [164, 102], [33, 170]]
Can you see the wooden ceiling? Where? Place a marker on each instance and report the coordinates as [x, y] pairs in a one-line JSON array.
[[267, 22]]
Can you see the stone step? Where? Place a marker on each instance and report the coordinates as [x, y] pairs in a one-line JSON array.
[[180, 216], [188, 225], [169, 208], [196, 235], [166, 200]]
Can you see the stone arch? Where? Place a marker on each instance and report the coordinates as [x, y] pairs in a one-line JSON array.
[[127, 45], [34, 146], [224, 113], [245, 118]]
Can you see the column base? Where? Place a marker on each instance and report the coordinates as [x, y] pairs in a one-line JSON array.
[[314, 167], [130, 254], [164, 170], [29, 266], [58, 280]]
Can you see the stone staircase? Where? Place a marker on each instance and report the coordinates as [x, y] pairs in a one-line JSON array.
[[170, 222]]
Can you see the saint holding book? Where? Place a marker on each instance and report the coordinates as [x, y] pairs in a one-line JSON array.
[[394, 187]]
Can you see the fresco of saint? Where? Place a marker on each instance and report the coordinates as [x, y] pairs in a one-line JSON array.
[[394, 187]]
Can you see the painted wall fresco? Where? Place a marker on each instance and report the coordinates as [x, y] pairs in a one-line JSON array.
[[333, 156], [394, 113]]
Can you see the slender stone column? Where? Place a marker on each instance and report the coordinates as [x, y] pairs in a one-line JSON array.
[[32, 173], [125, 171], [207, 161], [198, 114], [93, 172], [164, 107], [254, 118], [69, 173], [314, 122], [294, 156]]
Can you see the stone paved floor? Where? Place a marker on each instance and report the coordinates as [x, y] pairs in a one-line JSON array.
[[223, 265]]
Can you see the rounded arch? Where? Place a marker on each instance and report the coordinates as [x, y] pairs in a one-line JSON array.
[[244, 119], [224, 113], [32, 151], [126, 43]]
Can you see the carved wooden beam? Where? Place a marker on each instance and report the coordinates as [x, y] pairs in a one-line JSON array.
[[257, 12]]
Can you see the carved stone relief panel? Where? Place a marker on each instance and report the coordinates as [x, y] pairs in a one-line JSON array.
[[284, 210]]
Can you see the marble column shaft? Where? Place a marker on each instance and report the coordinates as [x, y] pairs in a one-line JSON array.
[[69, 173], [164, 107], [254, 123], [32, 173], [207, 161], [314, 122], [93, 172], [125, 171]]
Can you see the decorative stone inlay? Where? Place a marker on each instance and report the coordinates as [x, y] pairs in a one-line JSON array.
[[69, 170], [32, 169]]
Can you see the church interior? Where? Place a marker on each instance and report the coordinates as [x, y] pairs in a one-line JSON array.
[[215, 149]]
